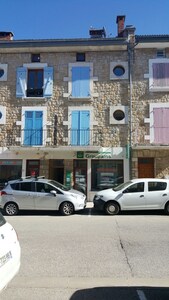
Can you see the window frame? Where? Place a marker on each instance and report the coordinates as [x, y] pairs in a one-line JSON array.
[[115, 64], [152, 87], [22, 80]]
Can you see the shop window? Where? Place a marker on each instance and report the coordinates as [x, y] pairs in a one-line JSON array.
[[106, 173]]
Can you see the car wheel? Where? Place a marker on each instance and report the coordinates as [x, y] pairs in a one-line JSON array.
[[66, 209], [11, 209], [112, 208], [167, 208]]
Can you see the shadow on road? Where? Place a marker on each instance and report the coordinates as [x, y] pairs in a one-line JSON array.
[[122, 293]]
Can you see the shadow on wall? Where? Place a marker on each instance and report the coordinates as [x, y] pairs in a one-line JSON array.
[[122, 293]]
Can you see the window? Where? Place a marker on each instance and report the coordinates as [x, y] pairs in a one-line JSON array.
[[27, 186], [118, 114], [3, 72], [118, 70], [34, 81], [80, 128], [35, 57], [159, 74], [160, 53], [106, 173], [135, 188], [160, 125], [80, 56], [156, 186], [2, 115], [33, 132], [80, 81]]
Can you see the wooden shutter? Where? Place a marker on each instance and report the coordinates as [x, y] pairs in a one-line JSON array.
[[21, 82], [48, 82], [80, 82]]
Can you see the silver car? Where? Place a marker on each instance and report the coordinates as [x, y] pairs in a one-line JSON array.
[[40, 194], [136, 194]]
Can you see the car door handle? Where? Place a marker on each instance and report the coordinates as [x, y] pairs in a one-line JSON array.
[[164, 194], [141, 196]]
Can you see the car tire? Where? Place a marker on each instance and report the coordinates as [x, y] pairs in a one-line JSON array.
[[167, 208], [66, 208], [11, 209], [112, 208]]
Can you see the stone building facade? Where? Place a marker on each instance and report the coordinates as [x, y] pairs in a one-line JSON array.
[[80, 111]]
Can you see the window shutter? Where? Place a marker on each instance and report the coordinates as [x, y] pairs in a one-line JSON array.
[[48, 82], [81, 82], [75, 128], [161, 74], [21, 82], [84, 128]]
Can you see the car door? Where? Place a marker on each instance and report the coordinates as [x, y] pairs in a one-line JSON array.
[[23, 194], [133, 197], [157, 194], [44, 200]]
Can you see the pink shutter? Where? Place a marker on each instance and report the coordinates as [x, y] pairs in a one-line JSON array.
[[161, 74], [161, 125]]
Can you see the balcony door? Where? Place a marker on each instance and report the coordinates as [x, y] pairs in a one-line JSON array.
[[80, 128], [33, 128]]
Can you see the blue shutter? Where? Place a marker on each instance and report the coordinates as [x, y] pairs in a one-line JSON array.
[[80, 82], [80, 128], [33, 128], [21, 82], [84, 128], [75, 128], [28, 128], [48, 82]]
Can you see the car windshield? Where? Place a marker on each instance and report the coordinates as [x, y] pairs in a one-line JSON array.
[[121, 186], [59, 185]]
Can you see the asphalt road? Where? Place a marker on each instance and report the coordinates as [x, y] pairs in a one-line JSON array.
[[91, 256]]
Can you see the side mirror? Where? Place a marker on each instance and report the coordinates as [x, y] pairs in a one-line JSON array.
[[53, 192]]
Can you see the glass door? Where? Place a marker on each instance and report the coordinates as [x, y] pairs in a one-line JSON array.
[[80, 175]]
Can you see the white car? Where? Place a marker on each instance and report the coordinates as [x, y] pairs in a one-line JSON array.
[[40, 194], [10, 253], [136, 194]]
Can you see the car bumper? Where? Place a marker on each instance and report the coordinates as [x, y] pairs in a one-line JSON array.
[[99, 204]]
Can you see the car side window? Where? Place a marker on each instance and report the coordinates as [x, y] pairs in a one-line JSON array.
[[27, 186], [156, 186], [135, 188]]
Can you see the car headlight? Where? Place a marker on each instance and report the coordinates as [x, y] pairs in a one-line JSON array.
[[98, 197]]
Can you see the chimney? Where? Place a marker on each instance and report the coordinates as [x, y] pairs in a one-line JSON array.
[[6, 36], [120, 25]]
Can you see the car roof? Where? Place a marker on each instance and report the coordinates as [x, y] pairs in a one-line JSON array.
[[29, 179], [149, 179]]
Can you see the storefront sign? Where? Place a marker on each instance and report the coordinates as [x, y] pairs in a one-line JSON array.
[[80, 154], [98, 155]]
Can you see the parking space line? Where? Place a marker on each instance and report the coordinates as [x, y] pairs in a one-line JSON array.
[[141, 295]]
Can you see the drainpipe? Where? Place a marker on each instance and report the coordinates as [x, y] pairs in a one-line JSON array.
[[55, 129], [129, 33]]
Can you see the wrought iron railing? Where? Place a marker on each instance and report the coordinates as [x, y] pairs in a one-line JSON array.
[[51, 137]]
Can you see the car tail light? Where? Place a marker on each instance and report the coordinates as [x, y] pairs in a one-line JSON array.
[[3, 193]]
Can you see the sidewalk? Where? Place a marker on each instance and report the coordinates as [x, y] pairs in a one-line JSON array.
[[89, 204]]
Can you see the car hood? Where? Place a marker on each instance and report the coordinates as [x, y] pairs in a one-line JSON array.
[[108, 192], [75, 192]]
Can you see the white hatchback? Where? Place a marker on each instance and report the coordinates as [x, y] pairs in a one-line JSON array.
[[10, 253], [136, 194]]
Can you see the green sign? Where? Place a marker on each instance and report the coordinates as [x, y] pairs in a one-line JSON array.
[[80, 154], [68, 178]]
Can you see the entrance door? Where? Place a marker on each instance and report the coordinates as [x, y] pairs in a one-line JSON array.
[[80, 175], [56, 170], [146, 167]]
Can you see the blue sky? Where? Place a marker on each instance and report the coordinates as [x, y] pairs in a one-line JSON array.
[[57, 19]]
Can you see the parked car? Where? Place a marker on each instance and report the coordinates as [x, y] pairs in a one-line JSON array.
[[40, 194], [10, 253], [136, 194]]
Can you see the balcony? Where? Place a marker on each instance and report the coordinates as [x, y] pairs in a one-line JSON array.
[[51, 137]]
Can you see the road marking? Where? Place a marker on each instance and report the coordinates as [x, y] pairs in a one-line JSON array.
[[90, 212], [141, 295]]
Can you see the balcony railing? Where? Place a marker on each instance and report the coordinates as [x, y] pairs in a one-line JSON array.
[[51, 137]]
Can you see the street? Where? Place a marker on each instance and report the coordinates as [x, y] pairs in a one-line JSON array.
[[91, 256]]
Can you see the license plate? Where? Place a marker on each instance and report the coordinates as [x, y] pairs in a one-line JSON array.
[[4, 259]]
